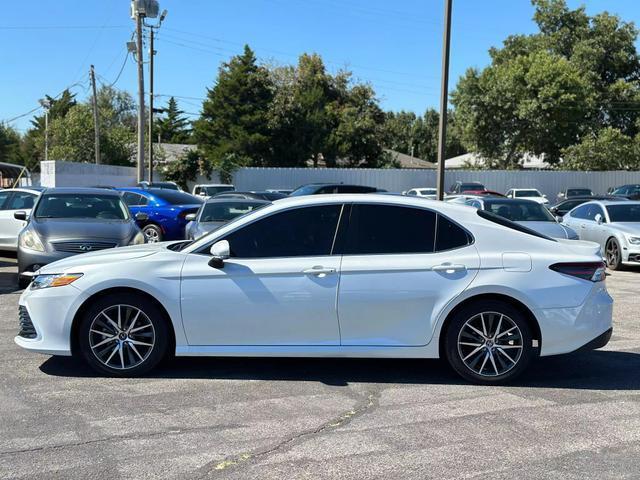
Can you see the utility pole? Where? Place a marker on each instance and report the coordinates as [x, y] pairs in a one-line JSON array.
[[139, 58], [444, 96], [96, 121], [152, 53], [46, 104]]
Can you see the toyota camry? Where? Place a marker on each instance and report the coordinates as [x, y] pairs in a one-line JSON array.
[[329, 276]]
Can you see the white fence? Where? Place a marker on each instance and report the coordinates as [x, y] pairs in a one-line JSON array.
[[397, 180], [61, 174]]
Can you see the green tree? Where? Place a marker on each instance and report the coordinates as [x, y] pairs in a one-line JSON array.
[[10, 142], [187, 168], [234, 115], [173, 127], [72, 137], [609, 149], [545, 92]]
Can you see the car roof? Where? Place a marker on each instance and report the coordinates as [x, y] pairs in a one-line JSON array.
[[24, 189], [214, 185], [81, 191], [615, 202], [508, 200], [235, 200]]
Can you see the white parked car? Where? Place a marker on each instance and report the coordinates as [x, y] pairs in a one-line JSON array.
[[430, 193], [212, 189], [329, 276], [11, 201], [529, 194], [614, 225]]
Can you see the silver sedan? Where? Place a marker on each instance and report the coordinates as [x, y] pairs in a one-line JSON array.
[[615, 225]]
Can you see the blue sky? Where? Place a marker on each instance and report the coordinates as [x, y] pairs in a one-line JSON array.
[[396, 46]]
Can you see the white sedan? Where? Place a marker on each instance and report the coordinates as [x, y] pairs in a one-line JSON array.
[[13, 200], [532, 194], [329, 276]]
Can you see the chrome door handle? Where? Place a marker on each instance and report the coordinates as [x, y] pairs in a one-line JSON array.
[[319, 271], [448, 267]]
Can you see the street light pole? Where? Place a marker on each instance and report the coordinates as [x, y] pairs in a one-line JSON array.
[[46, 104], [152, 53], [140, 96], [444, 96]]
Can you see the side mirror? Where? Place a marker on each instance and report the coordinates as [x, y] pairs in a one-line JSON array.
[[220, 251], [598, 218], [140, 217], [20, 215], [190, 217]]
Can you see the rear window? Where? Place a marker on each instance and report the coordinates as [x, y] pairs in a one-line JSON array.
[[492, 217], [175, 197], [225, 212], [575, 192], [450, 236]]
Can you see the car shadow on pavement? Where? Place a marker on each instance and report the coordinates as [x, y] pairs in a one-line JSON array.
[[596, 370]]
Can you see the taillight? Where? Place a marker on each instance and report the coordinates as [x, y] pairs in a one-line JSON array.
[[593, 271]]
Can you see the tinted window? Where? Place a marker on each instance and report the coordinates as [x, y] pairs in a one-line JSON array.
[[566, 206], [574, 192], [175, 197], [299, 232], [304, 190], [3, 199], [131, 198], [355, 189], [69, 205], [580, 212], [390, 229], [624, 213], [21, 200], [211, 191], [492, 217], [527, 193], [449, 235]]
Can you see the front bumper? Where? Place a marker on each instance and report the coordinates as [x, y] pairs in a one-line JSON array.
[[569, 329], [51, 312], [631, 255]]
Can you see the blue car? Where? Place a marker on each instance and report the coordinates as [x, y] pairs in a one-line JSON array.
[[166, 210]]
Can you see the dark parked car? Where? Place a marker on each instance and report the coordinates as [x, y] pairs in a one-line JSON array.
[[465, 187], [631, 192], [574, 192], [167, 185], [215, 212], [69, 221], [322, 188], [166, 211], [268, 196], [561, 208]]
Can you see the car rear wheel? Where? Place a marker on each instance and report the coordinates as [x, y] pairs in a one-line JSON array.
[[123, 335], [489, 343], [613, 254], [152, 233]]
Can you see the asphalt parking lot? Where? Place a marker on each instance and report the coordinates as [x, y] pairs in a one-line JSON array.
[[575, 416]]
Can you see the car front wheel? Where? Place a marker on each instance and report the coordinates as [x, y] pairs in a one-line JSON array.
[[123, 335], [152, 233], [489, 343], [613, 254]]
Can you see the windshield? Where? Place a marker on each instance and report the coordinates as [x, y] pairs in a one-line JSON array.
[[175, 197], [624, 213], [70, 205], [304, 190], [522, 211], [225, 212], [465, 187], [528, 193], [574, 192], [428, 191], [211, 190]]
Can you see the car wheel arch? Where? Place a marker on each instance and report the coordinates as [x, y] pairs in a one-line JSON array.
[[530, 318], [75, 325]]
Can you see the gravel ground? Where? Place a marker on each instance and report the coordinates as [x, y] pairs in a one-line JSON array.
[[575, 416]]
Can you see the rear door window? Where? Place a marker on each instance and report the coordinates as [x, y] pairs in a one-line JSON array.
[[21, 201]]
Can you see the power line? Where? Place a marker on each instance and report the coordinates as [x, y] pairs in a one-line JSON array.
[[126, 57], [60, 27]]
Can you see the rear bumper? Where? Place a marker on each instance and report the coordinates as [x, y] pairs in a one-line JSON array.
[[598, 342], [569, 329]]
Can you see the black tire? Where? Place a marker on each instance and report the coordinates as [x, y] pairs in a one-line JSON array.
[[613, 254], [149, 356], [494, 370], [152, 233]]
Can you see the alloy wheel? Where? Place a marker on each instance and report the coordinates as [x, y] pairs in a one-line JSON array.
[[612, 253], [121, 337], [490, 344], [152, 235]]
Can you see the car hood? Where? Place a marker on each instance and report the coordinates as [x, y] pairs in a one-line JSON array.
[[108, 256], [550, 229], [207, 227], [58, 229], [631, 228]]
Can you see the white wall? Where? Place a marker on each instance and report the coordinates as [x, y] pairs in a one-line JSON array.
[[55, 173]]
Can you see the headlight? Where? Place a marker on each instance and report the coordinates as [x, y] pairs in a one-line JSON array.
[[31, 241], [138, 239], [634, 240], [54, 280]]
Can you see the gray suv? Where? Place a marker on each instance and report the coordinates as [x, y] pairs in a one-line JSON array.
[[69, 221]]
